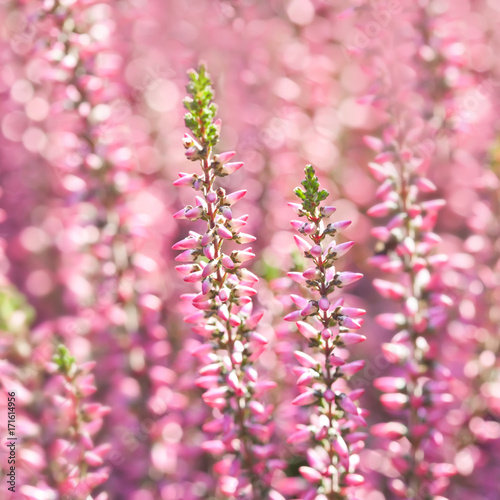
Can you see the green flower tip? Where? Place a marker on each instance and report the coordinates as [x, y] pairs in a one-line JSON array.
[[310, 194], [63, 359], [201, 110]]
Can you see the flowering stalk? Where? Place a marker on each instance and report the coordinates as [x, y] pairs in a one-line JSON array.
[[418, 393], [224, 307], [477, 335], [74, 452], [118, 304], [323, 374]]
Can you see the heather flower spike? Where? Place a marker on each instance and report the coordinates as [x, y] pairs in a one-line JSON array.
[[326, 323], [225, 316], [419, 395], [73, 452]]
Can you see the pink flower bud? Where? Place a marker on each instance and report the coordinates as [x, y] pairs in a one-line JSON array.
[[206, 286], [443, 470], [395, 353], [233, 381], [306, 378], [310, 308], [210, 268], [378, 171], [326, 334], [194, 277], [207, 381], [347, 278], [180, 214], [211, 197], [223, 312], [340, 446], [215, 447], [215, 393], [299, 301], [232, 198], [395, 401], [228, 485], [388, 289], [227, 262], [297, 277], [296, 224], [254, 320], [353, 367], [347, 322], [310, 474], [293, 316], [185, 180], [299, 436], [408, 246], [316, 251], [243, 256], [186, 244], [389, 430], [347, 405], [340, 225], [230, 168], [306, 398], [323, 304], [193, 214], [202, 349], [351, 338], [223, 232], [307, 330], [244, 238], [305, 360], [244, 291], [328, 211], [296, 206], [342, 249], [223, 158], [263, 386], [193, 153], [227, 213], [390, 321], [433, 205], [311, 274], [411, 306], [354, 479], [382, 209], [374, 143], [209, 252], [302, 244], [353, 312]]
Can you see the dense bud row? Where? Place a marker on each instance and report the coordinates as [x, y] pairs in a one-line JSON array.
[[224, 317], [419, 394], [327, 324]]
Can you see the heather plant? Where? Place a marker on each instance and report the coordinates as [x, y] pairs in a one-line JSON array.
[[328, 326], [417, 392], [90, 119], [224, 314], [102, 299], [475, 331], [76, 464]]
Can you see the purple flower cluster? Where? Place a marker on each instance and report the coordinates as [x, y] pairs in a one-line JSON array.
[[224, 315], [418, 391], [268, 389], [329, 326]]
